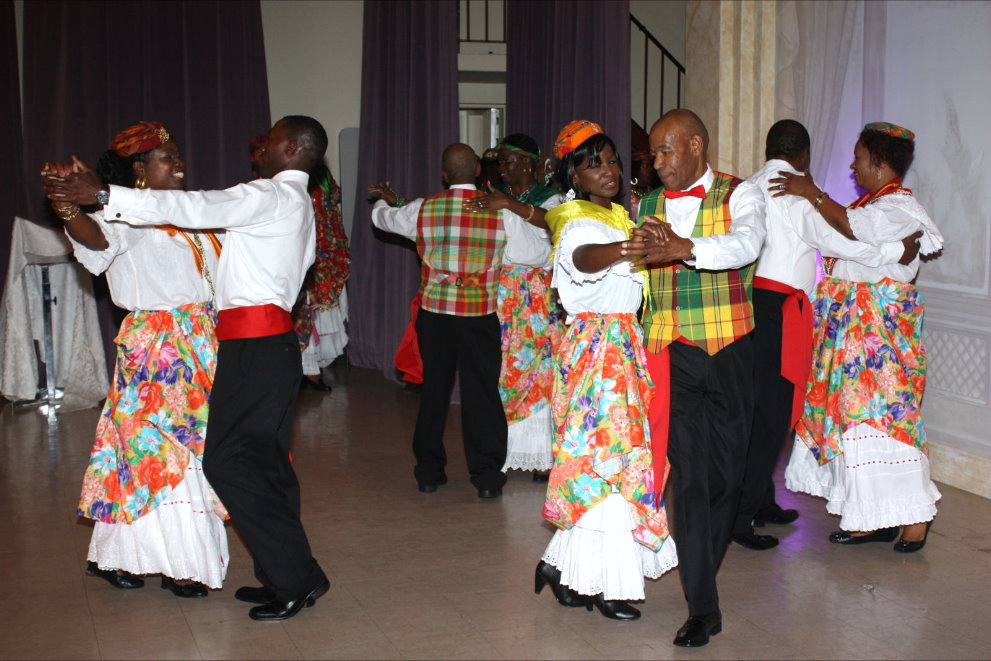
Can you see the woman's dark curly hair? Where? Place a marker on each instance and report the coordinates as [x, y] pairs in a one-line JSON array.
[[591, 151], [119, 170], [898, 153], [524, 142]]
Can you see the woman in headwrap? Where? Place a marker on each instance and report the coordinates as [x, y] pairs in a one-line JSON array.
[[144, 487], [603, 493], [861, 443], [529, 316]]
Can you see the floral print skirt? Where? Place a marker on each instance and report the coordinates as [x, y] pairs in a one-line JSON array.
[[869, 365], [601, 437], [531, 329], [154, 419]]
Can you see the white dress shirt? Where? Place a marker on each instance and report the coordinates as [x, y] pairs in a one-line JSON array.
[[147, 269], [271, 236], [735, 249], [526, 245], [889, 218], [795, 230], [615, 289]]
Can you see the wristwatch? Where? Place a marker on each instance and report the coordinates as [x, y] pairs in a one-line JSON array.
[[102, 197]]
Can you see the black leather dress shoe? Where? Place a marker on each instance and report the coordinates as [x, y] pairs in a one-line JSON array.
[[430, 487], [276, 610], [488, 494], [260, 595], [317, 384], [755, 542], [615, 609], [541, 477], [187, 591], [774, 514], [697, 629], [121, 581], [882, 535]]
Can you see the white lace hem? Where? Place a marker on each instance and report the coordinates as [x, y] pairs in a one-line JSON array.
[[599, 555], [182, 538], [877, 482], [528, 446]]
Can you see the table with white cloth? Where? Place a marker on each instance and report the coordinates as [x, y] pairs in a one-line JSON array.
[[80, 365]]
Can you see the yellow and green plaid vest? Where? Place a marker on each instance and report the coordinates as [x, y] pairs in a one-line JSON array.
[[461, 252], [710, 309]]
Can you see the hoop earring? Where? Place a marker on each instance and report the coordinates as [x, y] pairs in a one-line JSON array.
[[141, 182]]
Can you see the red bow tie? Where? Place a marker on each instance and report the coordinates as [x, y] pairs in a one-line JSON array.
[[698, 192]]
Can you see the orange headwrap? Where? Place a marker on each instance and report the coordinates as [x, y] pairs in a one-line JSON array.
[[573, 135], [139, 138]]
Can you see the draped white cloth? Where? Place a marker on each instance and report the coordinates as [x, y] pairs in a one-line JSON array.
[[80, 362]]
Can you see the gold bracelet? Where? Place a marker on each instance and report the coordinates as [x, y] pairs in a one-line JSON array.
[[533, 210], [67, 213], [818, 202]]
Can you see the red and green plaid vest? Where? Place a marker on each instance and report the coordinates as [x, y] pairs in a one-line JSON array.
[[461, 253], [710, 309]]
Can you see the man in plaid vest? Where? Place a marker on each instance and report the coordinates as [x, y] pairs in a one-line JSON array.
[[697, 333], [457, 328]]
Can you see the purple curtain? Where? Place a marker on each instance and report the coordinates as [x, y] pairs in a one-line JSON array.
[[565, 60], [93, 68], [409, 113], [14, 201]]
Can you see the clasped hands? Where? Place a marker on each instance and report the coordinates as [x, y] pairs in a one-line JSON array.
[[655, 242], [70, 183]]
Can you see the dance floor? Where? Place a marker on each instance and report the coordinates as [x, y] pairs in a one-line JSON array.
[[449, 576]]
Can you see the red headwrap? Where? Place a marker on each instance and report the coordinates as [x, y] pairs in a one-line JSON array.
[[137, 139], [573, 135]]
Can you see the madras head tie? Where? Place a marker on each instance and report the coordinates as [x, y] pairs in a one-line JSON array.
[[139, 138], [697, 191], [893, 130], [572, 135]]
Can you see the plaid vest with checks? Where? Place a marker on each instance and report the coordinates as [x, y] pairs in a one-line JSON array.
[[461, 253], [710, 309]]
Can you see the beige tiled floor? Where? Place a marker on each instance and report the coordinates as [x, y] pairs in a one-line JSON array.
[[446, 575]]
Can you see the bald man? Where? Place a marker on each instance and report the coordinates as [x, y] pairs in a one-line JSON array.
[[705, 230], [457, 328]]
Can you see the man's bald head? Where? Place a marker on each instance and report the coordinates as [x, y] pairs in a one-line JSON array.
[[679, 143], [460, 164]]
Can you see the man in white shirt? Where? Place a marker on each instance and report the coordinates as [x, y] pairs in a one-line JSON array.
[[269, 245], [462, 249], [697, 335], [784, 279]]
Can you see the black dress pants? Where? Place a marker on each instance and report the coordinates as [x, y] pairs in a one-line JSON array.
[[772, 410], [246, 458], [470, 347], [711, 411]]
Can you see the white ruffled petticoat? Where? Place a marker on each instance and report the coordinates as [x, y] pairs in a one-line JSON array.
[[877, 482], [182, 538], [528, 443], [599, 555]]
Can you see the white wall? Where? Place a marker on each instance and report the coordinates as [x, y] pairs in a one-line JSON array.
[[313, 55]]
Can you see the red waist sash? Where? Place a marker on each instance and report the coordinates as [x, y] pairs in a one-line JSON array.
[[796, 339], [659, 414], [252, 321]]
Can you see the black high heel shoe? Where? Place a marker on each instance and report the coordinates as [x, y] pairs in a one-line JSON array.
[[549, 574], [614, 609], [187, 591], [316, 384], [901, 546], [121, 581]]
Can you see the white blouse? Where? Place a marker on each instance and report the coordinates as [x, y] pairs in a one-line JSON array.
[[889, 218], [147, 269], [616, 289]]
